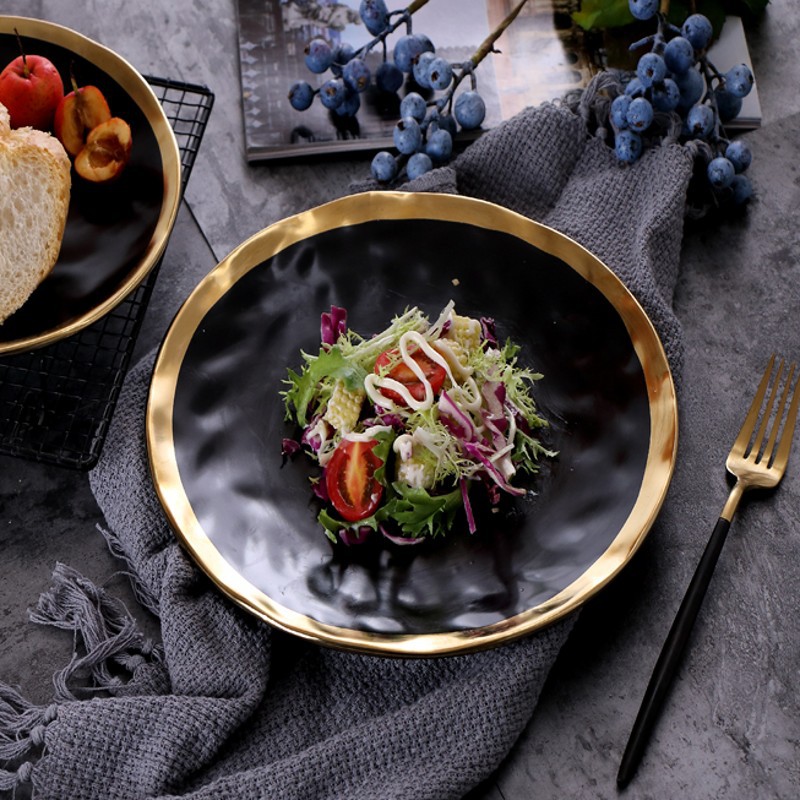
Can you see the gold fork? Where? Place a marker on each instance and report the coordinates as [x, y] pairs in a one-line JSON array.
[[755, 462]]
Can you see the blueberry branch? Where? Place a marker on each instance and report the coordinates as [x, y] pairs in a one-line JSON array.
[[677, 88], [487, 46]]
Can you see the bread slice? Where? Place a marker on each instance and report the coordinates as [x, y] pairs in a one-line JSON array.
[[35, 185]]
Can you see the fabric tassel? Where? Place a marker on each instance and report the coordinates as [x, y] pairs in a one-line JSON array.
[[143, 595], [18, 715], [595, 100], [16, 748], [109, 634], [12, 780], [22, 732]]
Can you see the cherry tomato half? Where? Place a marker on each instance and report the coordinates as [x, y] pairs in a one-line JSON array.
[[350, 479], [402, 373]]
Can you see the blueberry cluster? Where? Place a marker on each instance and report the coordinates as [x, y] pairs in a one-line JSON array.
[[675, 77], [423, 136]]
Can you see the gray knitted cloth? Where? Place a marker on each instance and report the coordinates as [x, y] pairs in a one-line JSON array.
[[224, 706]]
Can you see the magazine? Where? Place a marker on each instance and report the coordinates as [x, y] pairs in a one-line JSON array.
[[540, 57]]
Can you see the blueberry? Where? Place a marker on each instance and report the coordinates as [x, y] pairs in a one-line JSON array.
[[342, 53], [728, 105], [739, 80], [446, 122], [619, 111], [375, 15], [651, 69], [634, 88], [439, 145], [388, 77], [666, 95], [407, 135], [643, 9], [384, 166], [679, 55], [742, 189], [301, 95], [350, 104], [418, 164], [700, 121], [413, 105], [440, 74], [691, 86], [469, 110], [628, 146], [407, 48], [720, 172], [331, 93], [640, 114], [697, 29], [318, 55], [738, 153], [356, 74], [427, 44], [422, 69]]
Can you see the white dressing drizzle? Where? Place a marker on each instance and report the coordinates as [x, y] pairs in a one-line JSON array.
[[404, 446], [368, 434], [405, 443], [444, 346], [465, 392], [373, 385]]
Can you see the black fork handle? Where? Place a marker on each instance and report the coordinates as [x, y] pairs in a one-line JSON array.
[[671, 653]]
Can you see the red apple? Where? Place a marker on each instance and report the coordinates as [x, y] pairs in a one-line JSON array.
[[77, 114], [106, 152], [31, 89]]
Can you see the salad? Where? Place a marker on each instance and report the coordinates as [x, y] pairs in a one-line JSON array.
[[410, 424]]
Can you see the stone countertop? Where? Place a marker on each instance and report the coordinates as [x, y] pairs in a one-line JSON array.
[[731, 727]]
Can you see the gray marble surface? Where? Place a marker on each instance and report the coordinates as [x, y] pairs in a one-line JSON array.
[[731, 728]]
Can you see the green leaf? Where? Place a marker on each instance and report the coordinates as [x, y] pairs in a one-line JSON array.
[[328, 365], [332, 525], [603, 14], [382, 450], [419, 513]]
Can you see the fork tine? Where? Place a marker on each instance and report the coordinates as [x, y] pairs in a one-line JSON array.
[[756, 448], [782, 456], [749, 424]]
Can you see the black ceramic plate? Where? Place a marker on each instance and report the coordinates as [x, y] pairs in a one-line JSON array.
[[216, 420], [115, 232]]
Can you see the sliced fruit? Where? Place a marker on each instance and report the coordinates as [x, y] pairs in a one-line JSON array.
[[394, 367], [350, 479], [106, 152], [82, 110]]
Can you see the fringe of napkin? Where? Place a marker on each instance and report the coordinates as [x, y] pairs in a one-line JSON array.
[[114, 649]]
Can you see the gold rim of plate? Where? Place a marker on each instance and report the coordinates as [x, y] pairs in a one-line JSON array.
[[402, 206], [126, 75]]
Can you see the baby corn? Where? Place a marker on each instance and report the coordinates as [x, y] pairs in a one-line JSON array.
[[344, 407]]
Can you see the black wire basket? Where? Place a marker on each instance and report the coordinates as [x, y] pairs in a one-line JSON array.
[[56, 402]]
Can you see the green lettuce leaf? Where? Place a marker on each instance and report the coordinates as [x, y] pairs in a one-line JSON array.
[[332, 525], [419, 513], [329, 366]]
